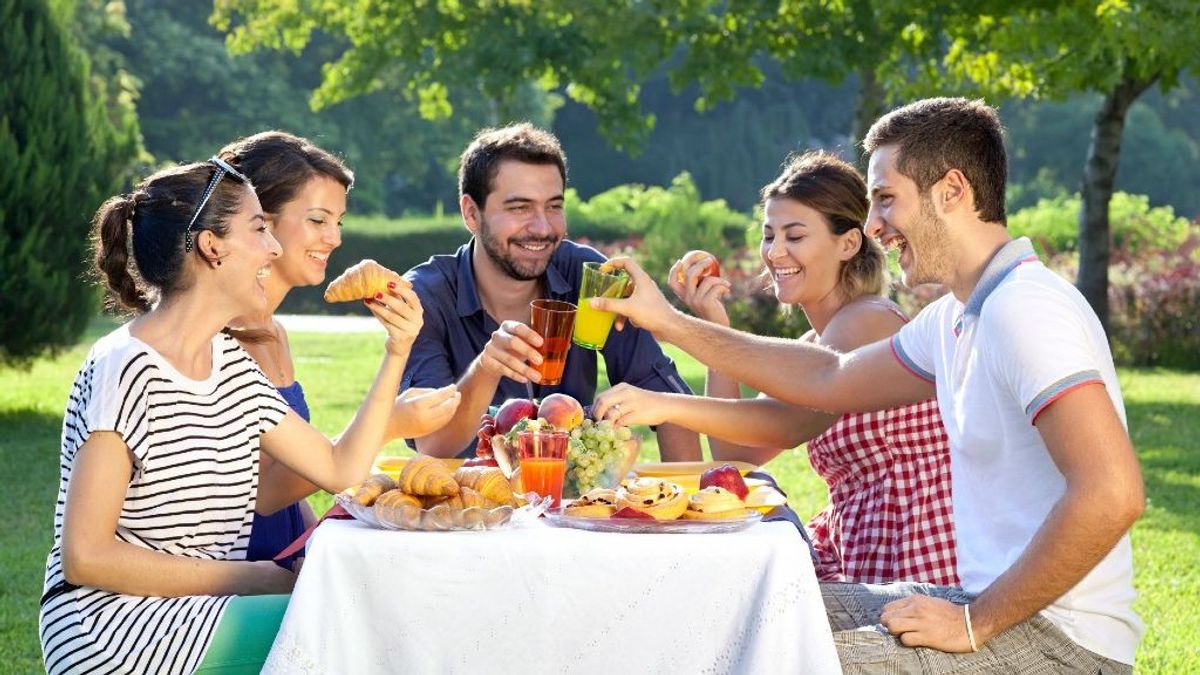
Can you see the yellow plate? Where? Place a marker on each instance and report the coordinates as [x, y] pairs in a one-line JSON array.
[[392, 466], [658, 469], [691, 482]]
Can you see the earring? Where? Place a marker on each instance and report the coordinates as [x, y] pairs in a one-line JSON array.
[[218, 263]]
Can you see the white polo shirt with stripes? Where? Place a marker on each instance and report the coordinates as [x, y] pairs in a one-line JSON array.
[[1024, 338], [192, 491]]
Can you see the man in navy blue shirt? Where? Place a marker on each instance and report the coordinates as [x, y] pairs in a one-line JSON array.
[[476, 301]]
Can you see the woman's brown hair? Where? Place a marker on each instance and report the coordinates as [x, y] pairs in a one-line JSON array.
[[838, 192]]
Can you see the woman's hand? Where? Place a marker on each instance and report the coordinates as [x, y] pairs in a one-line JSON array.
[[703, 296], [626, 404], [419, 411], [400, 312]]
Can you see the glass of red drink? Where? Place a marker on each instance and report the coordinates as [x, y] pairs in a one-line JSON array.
[[543, 462], [554, 320]]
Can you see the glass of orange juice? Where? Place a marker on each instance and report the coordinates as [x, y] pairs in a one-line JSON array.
[[543, 462], [591, 325], [553, 320]]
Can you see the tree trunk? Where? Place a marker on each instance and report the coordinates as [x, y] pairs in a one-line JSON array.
[[1099, 173], [870, 108]]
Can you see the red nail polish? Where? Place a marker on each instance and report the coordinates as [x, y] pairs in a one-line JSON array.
[[391, 285], [379, 296]]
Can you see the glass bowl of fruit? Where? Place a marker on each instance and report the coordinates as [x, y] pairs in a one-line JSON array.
[[599, 454]]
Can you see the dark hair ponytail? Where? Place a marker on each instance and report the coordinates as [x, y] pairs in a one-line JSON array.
[[110, 241], [138, 239]]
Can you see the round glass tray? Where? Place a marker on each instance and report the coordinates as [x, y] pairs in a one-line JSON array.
[[443, 518], [643, 526]]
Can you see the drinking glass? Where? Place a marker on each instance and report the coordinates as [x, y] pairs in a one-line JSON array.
[[543, 462], [553, 320], [592, 326]]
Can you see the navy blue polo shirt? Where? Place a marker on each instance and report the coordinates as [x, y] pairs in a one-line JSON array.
[[457, 328]]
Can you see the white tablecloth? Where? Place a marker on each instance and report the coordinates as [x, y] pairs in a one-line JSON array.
[[540, 599]]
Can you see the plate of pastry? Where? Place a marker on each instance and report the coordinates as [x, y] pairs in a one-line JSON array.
[[651, 505], [429, 497]]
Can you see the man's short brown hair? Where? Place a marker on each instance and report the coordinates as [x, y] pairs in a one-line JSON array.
[[519, 142], [935, 135]]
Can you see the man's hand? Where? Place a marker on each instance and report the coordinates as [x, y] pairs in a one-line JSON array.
[[646, 306], [922, 621], [510, 351], [626, 404]]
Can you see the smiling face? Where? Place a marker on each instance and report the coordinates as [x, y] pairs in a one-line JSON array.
[[903, 219], [522, 221], [802, 254], [308, 229], [246, 254]]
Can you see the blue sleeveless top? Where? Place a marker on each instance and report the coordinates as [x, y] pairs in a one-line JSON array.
[[271, 534]]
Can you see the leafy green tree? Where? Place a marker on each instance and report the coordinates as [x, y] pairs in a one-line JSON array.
[[599, 54], [1117, 49], [63, 150], [195, 97]]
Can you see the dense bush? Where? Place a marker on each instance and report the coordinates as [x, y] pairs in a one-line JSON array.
[[1136, 227], [62, 153]]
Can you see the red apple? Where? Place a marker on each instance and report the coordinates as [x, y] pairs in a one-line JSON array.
[[727, 477], [514, 410], [562, 411], [693, 257]]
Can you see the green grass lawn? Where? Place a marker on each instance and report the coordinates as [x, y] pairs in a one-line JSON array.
[[1164, 416]]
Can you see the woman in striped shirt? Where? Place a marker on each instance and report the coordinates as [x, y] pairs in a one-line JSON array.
[[302, 189], [159, 468], [889, 513]]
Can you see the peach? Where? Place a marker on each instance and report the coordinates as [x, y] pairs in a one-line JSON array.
[[561, 411], [693, 257]]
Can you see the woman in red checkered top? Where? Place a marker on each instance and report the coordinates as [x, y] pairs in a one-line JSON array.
[[889, 515]]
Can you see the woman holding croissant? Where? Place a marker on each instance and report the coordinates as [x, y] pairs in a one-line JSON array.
[[302, 189], [162, 434], [889, 516]]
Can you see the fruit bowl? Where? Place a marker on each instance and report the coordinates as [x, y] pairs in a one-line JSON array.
[[598, 455]]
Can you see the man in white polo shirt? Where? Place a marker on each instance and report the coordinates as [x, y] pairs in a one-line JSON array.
[[1045, 480]]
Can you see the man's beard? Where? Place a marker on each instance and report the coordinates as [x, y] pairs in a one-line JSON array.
[[519, 270], [927, 239]]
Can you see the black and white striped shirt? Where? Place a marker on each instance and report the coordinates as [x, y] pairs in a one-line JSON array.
[[192, 492]]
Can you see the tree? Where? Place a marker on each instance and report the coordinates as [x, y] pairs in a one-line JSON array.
[[1116, 48], [599, 54], [60, 150], [196, 97]]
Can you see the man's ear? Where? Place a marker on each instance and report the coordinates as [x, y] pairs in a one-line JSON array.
[[470, 213], [955, 192]]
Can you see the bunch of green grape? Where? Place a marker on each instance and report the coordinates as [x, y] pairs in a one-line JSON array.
[[595, 454]]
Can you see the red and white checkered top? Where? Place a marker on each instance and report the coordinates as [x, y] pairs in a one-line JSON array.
[[889, 516]]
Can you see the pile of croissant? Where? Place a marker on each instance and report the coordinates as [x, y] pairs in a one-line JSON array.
[[429, 497]]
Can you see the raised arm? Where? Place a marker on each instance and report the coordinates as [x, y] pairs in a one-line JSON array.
[[93, 556], [866, 379], [306, 457], [504, 355]]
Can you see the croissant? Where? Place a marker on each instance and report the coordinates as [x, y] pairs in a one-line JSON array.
[[398, 508], [369, 491], [424, 475], [487, 481], [360, 281]]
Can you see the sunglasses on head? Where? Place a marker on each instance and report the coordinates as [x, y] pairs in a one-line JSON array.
[[223, 169]]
